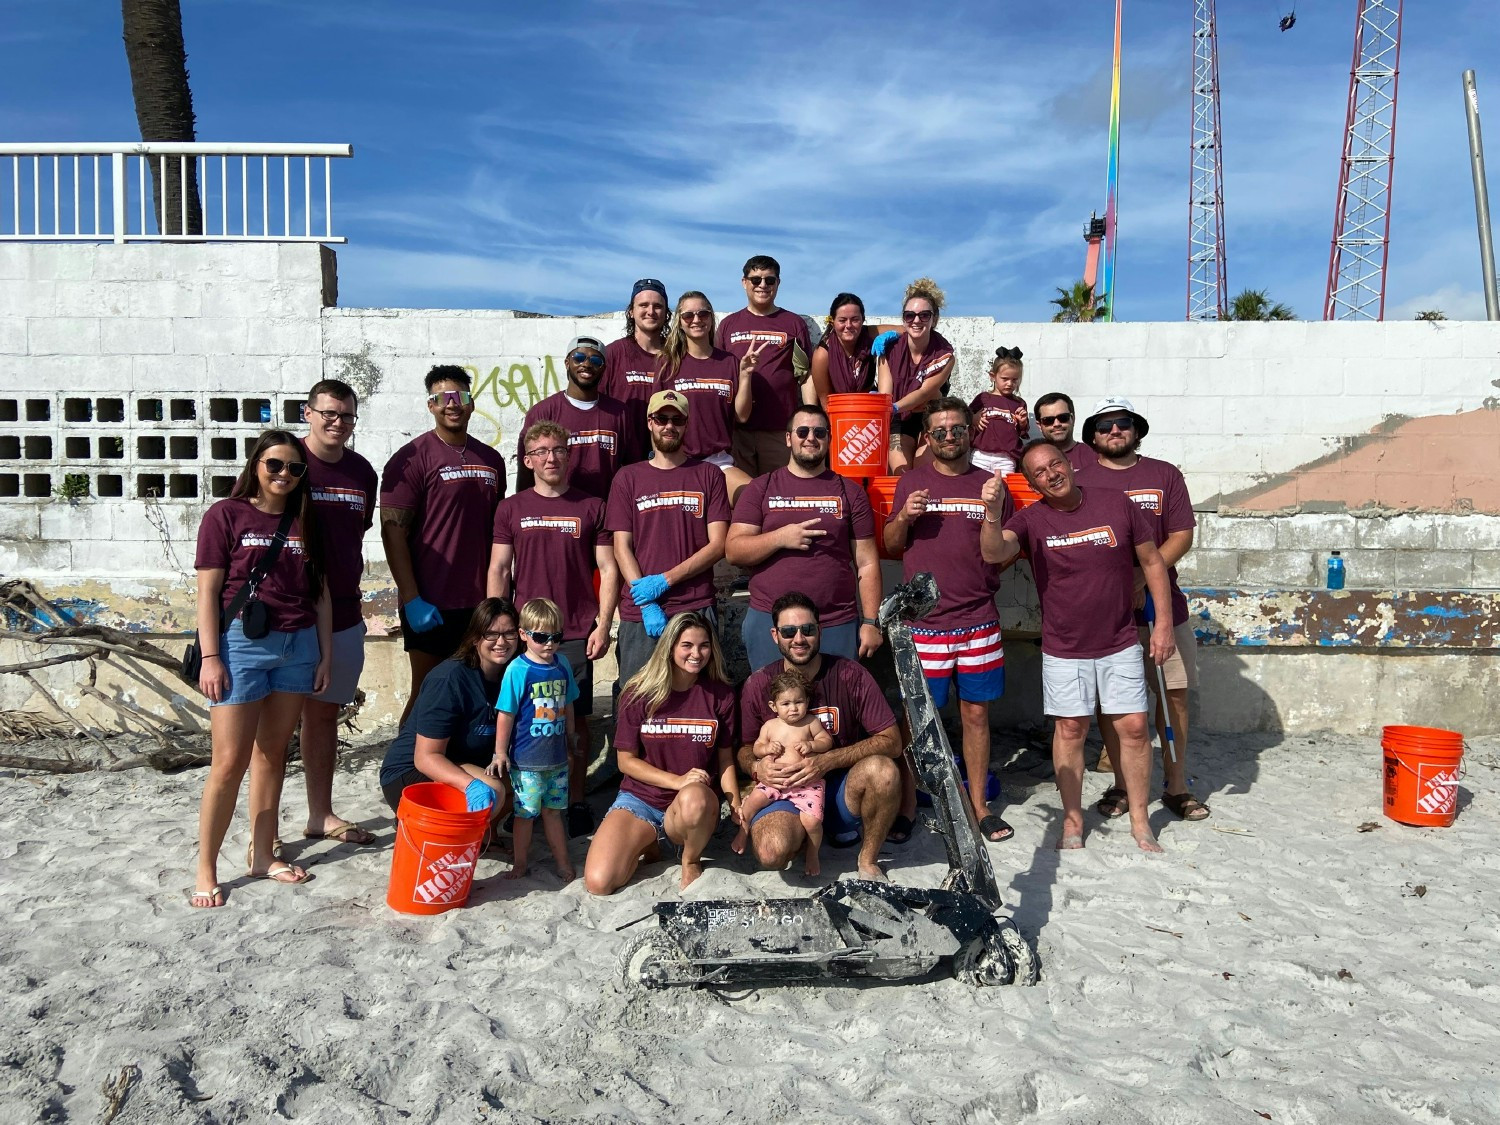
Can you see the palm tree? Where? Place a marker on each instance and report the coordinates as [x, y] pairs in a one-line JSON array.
[[163, 103], [1432, 314], [1076, 304], [1253, 304]]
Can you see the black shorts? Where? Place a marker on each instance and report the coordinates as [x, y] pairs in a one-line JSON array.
[[441, 642], [583, 675], [392, 792]]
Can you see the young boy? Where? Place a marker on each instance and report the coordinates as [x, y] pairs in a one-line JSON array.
[[534, 731]]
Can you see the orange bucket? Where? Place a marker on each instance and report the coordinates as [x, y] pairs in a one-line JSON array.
[[882, 492], [1022, 495], [437, 846], [861, 435], [1422, 768]]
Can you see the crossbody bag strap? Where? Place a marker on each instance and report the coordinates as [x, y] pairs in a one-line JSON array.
[[262, 567]]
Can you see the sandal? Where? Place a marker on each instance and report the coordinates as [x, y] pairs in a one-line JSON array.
[[901, 829], [1186, 806], [212, 897], [346, 833], [995, 830], [250, 852], [281, 872], [1113, 804]]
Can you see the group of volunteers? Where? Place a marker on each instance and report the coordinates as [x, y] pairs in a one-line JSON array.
[[689, 441]]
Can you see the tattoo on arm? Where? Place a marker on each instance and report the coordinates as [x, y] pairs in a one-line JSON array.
[[401, 517]]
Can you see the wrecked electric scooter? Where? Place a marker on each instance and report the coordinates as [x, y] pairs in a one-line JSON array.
[[857, 927]]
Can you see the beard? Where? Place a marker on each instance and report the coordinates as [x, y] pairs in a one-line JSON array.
[[1125, 451], [667, 442], [950, 453], [809, 460]]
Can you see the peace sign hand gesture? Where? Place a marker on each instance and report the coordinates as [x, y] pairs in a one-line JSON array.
[[750, 362]]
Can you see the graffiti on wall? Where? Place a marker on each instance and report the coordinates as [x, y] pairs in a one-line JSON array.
[[504, 393]]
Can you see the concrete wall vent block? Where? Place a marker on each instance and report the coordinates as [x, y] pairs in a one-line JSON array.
[[109, 410], [37, 484], [109, 484], [38, 410]]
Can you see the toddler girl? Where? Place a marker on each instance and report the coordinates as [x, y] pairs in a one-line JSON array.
[[1000, 419]]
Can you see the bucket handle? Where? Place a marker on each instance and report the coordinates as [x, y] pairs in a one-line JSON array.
[[1462, 773]]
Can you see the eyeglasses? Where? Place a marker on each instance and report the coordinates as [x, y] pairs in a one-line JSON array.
[[593, 360], [662, 418], [1056, 419], [696, 314], [1104, 425], [818, 432], [549, 452], [544, 638], [789, 631], [763, 281], [450, 398], [331, 416], [917, 316], [943, 433], [496, 636], [276, 466]]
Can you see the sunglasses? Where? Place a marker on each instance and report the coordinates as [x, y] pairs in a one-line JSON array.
[[818, 432], [763, 281], [548, 452], [450, 398], [789, 631], [943, 433], [544, 638], [498, 635], [662, 418], [1104, 425], [696, 314], [917, 316], [332, 416], [1055, 419], [276, 466], [594, 359]]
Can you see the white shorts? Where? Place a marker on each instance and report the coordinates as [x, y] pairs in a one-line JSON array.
[[989, 462], [721, 461], [1114, 685]]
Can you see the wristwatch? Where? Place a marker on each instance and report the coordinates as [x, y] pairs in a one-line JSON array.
[[869, 621]]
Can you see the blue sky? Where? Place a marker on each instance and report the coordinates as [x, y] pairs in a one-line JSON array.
[[542, 156]]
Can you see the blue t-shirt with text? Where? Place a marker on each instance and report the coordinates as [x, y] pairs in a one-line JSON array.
[[538, 695]]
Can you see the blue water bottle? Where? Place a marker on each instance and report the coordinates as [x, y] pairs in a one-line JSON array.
[[1335, 572]]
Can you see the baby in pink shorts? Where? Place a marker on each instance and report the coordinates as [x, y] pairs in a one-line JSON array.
[[789, 737]]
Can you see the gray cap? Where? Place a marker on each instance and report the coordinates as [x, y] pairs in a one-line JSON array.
[[585, 342]]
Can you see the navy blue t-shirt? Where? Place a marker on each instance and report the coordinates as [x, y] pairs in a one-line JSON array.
[[457, 703]]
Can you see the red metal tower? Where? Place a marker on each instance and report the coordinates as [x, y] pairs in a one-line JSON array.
[[1362, 224], [1207, 286]]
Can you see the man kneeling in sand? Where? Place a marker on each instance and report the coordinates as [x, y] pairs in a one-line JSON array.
[[1084, 545]]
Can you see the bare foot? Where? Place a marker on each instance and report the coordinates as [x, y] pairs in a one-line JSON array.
[[811, 866], [738, 845], [1070, 842], [691, 870], [566, 872], [516, 872], [1146, 841], [872, 871]]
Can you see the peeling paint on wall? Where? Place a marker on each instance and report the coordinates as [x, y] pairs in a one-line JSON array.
[[1401, 619]]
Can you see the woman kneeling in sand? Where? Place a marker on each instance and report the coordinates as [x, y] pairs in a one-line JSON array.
[[675, 722]]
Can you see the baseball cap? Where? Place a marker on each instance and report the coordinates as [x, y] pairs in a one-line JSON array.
[[675, 399], [585, 342], [1115, 405], [649, 284]]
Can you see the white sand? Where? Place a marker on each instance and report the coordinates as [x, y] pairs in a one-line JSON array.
[[320, 1004]]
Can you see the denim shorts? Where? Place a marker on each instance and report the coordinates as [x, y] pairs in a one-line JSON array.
[[285, 662], [652, 815]]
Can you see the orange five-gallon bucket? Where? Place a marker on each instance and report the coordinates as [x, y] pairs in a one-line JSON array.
[[1022, 495], [882, 492], [1422, 768], [437, 846], [861, 435]]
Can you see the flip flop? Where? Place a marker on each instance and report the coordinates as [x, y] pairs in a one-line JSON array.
[[992, 824], [1114, 803], [281, 872], [213, 897], [1186, 806], [901, 829], [346, 833], [276, 847]]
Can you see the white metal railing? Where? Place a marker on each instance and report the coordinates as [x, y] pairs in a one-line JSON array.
[[103, 192]]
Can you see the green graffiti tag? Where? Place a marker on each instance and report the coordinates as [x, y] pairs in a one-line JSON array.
[[516, 390]]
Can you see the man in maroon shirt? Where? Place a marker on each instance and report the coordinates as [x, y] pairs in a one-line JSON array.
[[437, 508], [670, 516], [344, 488], [779, 380], [938, 512], [600, 439], [549, 540], [805, 528], [1160, 491], [1083, 545], [631, 361], [1055, 414], [863, 780]]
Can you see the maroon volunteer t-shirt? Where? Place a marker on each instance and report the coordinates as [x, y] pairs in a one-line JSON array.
[[907, 376], [1160, 491], [233, 537], [599, 438], [849, 374], [773, 390], [710, 386], [453, 494], [1002, 434], [1084, 563], [666, 512], [825, 571], [845, 698], [1080, 456], [685, 733], [944, 541], [345, 492], [629, 372], [554, 539]]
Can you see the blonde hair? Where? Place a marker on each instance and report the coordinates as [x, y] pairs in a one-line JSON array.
[[546, 429], [1008, 357], [927, 289], [676, 344], [541, 615], [653, 683]]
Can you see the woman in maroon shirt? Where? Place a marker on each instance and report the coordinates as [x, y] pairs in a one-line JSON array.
[[255, 685], [675, 723], [842, 362], [914, 370]]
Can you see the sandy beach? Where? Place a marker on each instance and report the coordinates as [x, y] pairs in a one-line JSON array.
[[1277, 964]]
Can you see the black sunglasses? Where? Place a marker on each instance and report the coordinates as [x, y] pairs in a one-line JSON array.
[[594, 360], [942, 433], [1104, 425], [789, 631], [276, 466], [662, 418], [696, 314], [1061, 419], [760, 281], [544, 638], [917, 316], [819, 432]]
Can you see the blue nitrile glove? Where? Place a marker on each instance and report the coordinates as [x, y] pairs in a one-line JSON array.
[[654, 618], [422, 615], [884, 341], [480, 796], [648, 588]]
